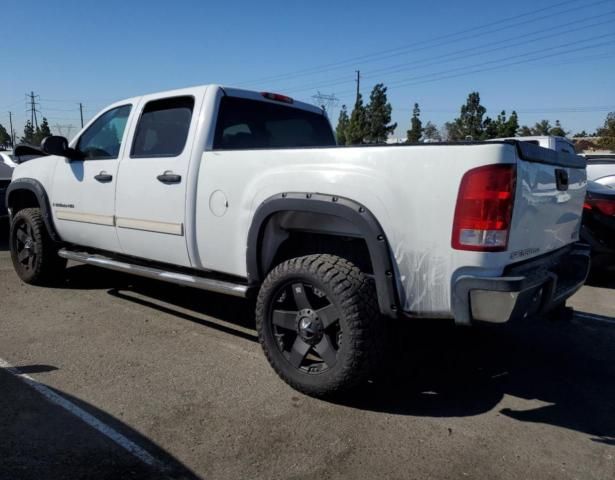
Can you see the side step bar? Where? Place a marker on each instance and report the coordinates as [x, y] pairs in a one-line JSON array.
[[210, 284]]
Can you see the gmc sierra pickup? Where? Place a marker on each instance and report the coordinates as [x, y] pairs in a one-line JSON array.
[[236, 192]]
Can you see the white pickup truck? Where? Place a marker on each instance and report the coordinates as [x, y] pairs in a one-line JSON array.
[[237, 192]]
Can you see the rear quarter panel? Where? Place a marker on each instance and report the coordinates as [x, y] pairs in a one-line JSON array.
[[411, 190]]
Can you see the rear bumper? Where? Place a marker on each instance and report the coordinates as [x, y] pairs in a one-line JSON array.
[[528, 288]]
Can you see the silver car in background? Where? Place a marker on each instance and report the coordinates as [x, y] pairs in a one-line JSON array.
[[6, 172]]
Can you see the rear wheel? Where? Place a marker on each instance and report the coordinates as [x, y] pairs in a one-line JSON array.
[[34, 254], [316, 317]]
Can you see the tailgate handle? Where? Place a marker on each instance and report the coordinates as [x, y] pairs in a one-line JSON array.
[[561, 179]]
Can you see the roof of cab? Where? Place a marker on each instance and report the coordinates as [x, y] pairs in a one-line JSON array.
[[230, 91]]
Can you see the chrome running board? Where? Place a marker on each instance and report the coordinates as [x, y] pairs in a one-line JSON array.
[[210, 284]]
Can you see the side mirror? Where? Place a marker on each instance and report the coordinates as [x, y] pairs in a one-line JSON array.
[[56, 145]]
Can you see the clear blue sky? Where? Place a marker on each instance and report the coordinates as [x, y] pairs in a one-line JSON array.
[[546, 59]]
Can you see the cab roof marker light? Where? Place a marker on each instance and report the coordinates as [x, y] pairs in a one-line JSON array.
[[276, 97]]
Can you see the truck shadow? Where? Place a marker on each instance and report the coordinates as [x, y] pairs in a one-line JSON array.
[[42, 440], [4, 235], [570, 366], [436, 370], [601, 279]]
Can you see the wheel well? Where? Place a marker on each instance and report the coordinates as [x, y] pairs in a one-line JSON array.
[[29, 193], [291, 234], [20, 199], [300, 243], [288, 225]]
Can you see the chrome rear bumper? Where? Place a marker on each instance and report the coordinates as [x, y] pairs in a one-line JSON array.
[[528, 288]]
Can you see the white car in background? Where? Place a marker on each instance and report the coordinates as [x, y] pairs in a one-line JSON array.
[[601, 170]]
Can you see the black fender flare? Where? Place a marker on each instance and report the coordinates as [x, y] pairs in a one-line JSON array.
[[349, 210], [34, 186]]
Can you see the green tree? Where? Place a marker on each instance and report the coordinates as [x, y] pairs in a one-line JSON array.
[[41, 132], [431, 133], [501, 127], [491, 128], [542, 128], [452, 131], [508, 127], [607, 133], [342, 126], [378, 116], [525, 131], [581, 134], [28, 133], [5, 138], [470, 122], [416, 126], [357, 130], [557, 130]]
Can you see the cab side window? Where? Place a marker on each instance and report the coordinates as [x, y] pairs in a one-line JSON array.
[[102, 139], [163, 128]]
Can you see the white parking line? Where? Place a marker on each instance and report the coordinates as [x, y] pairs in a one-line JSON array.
[[92, 421], [595, 318]]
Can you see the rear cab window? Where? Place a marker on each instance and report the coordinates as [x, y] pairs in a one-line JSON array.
[[244, 124]]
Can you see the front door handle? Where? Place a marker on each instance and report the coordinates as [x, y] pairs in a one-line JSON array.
[[169, 177], [103, 177]]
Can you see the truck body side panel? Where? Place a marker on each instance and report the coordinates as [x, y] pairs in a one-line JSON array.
[[411, 190]]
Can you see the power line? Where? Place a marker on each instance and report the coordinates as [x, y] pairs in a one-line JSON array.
[[383, 54], [465, 71], [455, 55]]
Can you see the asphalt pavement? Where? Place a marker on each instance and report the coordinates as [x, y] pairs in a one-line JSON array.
[[179, 374]]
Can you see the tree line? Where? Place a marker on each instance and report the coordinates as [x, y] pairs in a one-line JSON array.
[[31, 135], [371, 123]]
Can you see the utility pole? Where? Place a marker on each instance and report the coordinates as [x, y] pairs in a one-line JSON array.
[[81, 113], [33, 110], [12, 131], [358, 84]]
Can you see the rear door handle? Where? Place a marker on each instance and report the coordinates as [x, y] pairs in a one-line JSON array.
[[103, 177], [169, 177]]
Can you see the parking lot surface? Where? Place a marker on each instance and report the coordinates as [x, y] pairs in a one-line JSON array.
[[180, 374]]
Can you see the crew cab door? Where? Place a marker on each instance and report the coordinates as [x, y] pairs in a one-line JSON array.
[[83, 192], [153, 176]]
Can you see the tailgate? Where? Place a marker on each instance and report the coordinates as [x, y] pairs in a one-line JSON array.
[[549, 201]]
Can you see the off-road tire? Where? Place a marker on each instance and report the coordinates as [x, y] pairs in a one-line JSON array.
[[46, 267], [354, 296]]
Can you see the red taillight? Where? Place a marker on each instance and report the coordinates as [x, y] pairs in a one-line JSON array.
[[484, 208], [606, 207], [277, 97]]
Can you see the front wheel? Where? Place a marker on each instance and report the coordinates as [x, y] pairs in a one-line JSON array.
[[316, 316], [35, 256]]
